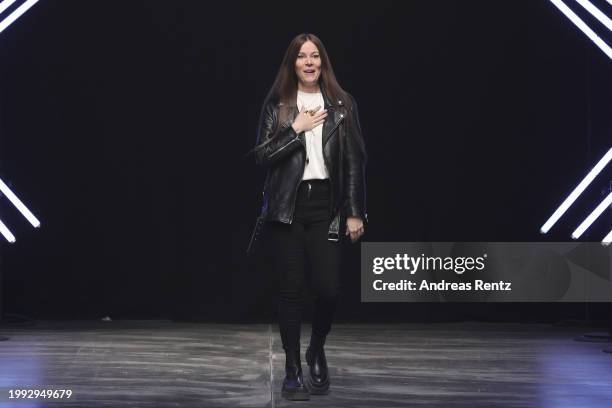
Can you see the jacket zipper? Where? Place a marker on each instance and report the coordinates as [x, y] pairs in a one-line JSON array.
[[288, 143], [335, 126]]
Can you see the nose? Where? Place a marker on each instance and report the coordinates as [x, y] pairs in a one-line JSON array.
[[308, 61]]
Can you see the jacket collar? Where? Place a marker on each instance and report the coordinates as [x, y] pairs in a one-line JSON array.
[[328, 101], [335, 115]]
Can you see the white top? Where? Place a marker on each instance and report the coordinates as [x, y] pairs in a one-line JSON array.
[[315, 165]]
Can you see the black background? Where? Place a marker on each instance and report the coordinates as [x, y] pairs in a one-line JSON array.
[[124, 124]]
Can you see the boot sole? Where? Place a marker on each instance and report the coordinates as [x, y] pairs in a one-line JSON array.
[[301, 395], [317, 389]]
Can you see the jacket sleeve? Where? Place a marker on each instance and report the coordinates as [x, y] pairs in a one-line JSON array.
[[354, 167], [275, 141]]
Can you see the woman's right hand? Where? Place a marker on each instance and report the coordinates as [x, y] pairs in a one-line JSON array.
[[304, 121]]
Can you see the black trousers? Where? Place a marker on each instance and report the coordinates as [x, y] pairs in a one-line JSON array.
[[295, 245]]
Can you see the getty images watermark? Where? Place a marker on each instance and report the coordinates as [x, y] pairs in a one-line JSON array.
[[412, 264], [485, 271]]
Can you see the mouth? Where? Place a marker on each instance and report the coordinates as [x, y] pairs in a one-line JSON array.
[[309, 71]]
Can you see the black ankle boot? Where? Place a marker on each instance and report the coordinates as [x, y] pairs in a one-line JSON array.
[[293, 384], [318, 376]]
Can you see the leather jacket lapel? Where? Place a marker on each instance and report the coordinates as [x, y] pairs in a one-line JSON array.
[[333, 119]]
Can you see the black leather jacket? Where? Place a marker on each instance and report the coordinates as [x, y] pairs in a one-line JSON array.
[[284, 154]]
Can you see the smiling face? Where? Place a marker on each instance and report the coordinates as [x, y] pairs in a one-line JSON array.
[[308, 67]]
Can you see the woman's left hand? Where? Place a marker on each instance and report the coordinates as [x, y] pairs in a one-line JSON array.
[[354, 228]]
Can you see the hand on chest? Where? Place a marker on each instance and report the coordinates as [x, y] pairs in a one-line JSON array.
[[312, 103]]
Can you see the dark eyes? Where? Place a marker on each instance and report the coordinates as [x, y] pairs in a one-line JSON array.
[[303, 56]]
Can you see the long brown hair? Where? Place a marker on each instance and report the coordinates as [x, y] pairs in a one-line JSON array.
[[284, 88]]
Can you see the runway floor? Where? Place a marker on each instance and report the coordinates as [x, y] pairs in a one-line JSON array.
[[167, 364]]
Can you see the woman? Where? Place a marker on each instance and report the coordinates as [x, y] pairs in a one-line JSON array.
[[309, 138]]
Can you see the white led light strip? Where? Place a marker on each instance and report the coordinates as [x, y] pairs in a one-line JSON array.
[[6, 4], [583, 27], [597, 13], [608, 239], [592, 217], [7, 234], [16, 13], [577, 191], [19, 205], [3, 187]]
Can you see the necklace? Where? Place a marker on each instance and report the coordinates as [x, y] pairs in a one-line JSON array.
[[313, 100]]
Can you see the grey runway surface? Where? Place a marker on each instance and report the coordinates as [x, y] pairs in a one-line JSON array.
[[168, 364]]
